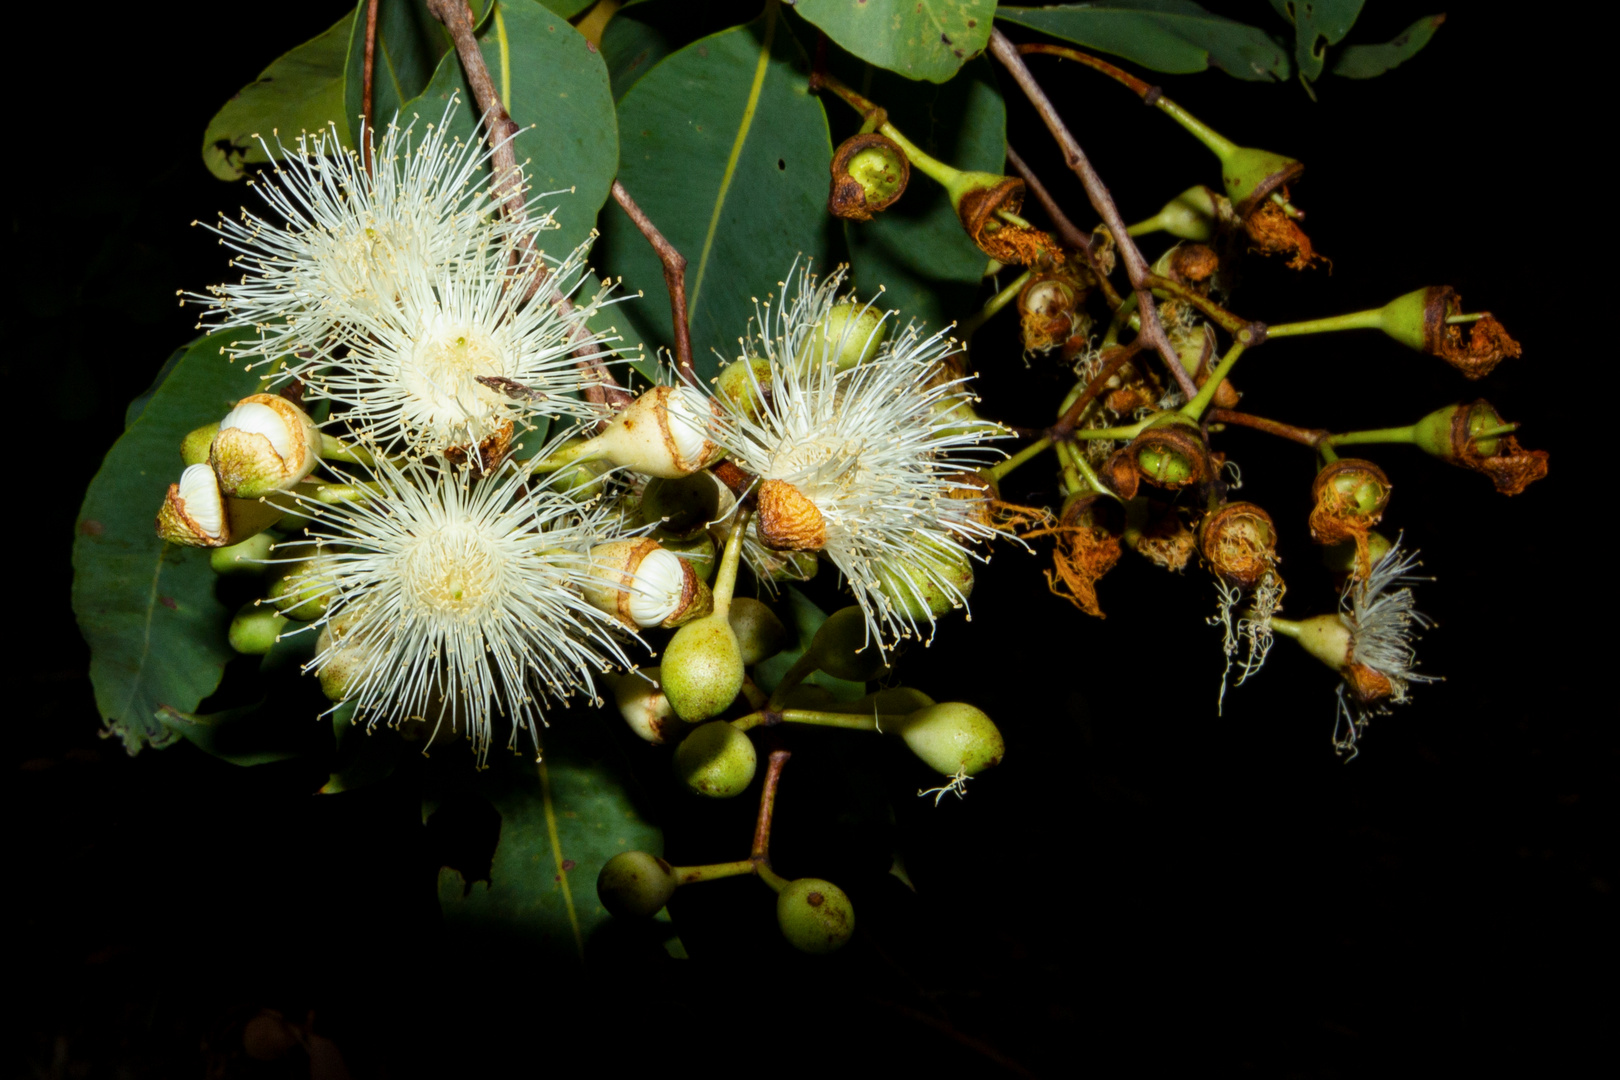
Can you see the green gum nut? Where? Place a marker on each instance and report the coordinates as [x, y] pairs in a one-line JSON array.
[[1190, 215], [1251, 175], [953, 738], [635, 885], [581, 480], [746, 393], [702, 668], [1327, 638], [843, 649], [194, 447], [642, 703], [934, 581], [244, 558], [760, 634], [1448, 433], [815, 915], [851, 334], [256, 628], [881, 171], [682, 507], [697, 550], [716, 760], [1406, 319], [305, 591]]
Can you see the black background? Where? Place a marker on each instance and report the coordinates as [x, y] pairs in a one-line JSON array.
[[1140, 883]]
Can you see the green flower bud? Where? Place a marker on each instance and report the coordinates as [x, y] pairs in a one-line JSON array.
[[844, 649], [953, 738], [936, 579], [194, 447], [246, 557], [635, 885], [716, 760], [746, 383], [581, 481], [760, 633], [702, 668], [195, 513], [869, 173], [306, 589], [340, 673], [1192, 215], [815, 915], [698, 550], [851, 334], [265, 444], [685, 506], [255, 629], [664, 432], [644, 706], [642, 585]]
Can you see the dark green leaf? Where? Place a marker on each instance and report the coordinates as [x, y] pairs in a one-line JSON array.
[[250, 735], [1366, 61], [556, 88], [1317, 24], [804, 619], [409, 44], [635, 40], [301, 91], [147, 608], [727, 152], [1173, 36], [917, 250], [920, 39], [365, 755], [567, 8], [561, 820]]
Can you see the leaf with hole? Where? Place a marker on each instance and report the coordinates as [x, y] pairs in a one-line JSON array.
[[920, 39], [1368, 61], [1173, 36]]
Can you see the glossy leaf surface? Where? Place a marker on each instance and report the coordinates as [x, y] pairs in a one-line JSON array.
[[920, 39], [1367, 61], [1173, 36]]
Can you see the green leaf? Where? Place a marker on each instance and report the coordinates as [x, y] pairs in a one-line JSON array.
[[249, 735], [1366, 61], [147, 608], [920, 39], [556, 88], [727, 152], [561, 820], [567, 8], [410, 43], [1317, 24], [365, 755], [635, 40], [805, 618], [1173, 36], [301, 91], [917, 250]]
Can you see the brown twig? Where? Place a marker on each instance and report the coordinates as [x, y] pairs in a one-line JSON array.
[[367, 154], [601, 387], [1311, 437], [761, 852], [1136, 267], [674, 264], [1144, 90], [1067, 229], [1066, 423]]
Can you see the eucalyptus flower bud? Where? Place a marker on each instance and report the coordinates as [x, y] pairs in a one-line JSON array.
[[343, 668], [843, 648], [247, 557], [1475, 437], [760, 634], [642, 585], [746, 383], [815, 915], [869, 174], [255, 629], [702, 668], [641, 701], [934, 578], [195, 513], [1192, 215], [635, 885], [581, 481], [716, 760], [194, 447], [664, 432], [264, 444], [306, 589], [953, 738], [852, 333]]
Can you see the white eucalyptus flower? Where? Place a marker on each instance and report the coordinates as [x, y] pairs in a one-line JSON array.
[[451, 599], [1383, 621], [857, 464]]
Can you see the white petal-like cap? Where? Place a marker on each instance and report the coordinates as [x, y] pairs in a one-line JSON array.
[[202, 500], [658, 591], [257, 419]]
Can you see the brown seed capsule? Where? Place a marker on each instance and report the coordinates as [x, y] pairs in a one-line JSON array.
[[1049, 310], [1171, 455], [1088, 546], [1419, 321], [1455, 435], [869, 173], [981, 195], [1193, 263], [1239, 542], [1155, 531], [1350, 496], [788, 520]]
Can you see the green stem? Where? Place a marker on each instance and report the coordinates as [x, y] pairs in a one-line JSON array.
[[725, 578], [1219, 145], [993, 305], [337, 450], [1356, 320], [1288, 628], [1130, 431], [1377, 435], [819, 718], [689, 875], [568, 454], [996, 472], [931, 167], [1206, 393], [805, 666], [770, 877]]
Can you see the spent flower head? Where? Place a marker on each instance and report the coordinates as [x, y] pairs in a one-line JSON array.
[[1381, 615]]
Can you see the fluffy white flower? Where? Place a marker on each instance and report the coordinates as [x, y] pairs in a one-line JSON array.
[[337, 235], [860, 465], [450, 599], [1382, 620]]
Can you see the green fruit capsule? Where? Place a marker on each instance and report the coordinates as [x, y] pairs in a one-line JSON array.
[[851, 334], [935, 580], [843, 648], [716, 760], [256, 629], [635, 885], [815, 915], [760, 633], [746, 383], [953, 738], [248, 557], [702, 668]]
